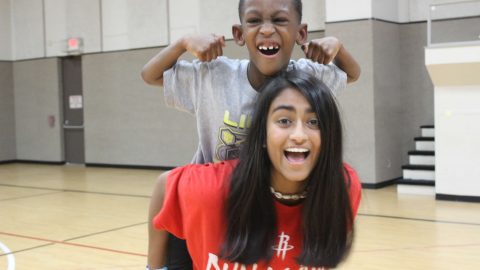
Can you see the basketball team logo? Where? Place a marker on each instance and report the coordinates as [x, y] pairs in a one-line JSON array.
[[283, 247]]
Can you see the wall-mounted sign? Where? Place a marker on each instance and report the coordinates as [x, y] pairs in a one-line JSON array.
[[75, 102]]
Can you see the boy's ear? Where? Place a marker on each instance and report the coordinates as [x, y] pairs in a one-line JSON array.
[[302, 35], [237, 33]]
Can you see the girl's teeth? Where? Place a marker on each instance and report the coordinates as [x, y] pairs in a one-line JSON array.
[[297, 150]]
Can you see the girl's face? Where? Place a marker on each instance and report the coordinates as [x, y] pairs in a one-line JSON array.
[[293, 141]]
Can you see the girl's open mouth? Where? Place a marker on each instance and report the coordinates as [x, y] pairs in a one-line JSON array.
[[296, 155]]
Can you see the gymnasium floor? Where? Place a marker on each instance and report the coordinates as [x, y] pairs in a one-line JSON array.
[[72, 217]]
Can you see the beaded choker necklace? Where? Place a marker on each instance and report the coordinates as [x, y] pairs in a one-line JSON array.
[[292, 197]]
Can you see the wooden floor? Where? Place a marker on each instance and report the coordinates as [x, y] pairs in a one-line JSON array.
[[72, 217]]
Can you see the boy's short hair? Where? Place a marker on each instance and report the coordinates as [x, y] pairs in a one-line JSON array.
[[297, 4]]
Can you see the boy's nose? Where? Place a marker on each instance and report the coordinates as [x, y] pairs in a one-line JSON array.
[[267, 29]]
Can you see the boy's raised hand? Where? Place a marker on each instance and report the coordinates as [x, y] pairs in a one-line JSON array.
[[204, 47], [327, 49], [322, 50]]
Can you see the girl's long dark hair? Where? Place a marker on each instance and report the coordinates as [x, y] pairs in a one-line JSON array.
[[327, 216]]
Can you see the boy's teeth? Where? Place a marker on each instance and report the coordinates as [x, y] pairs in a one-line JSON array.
[[268, 48]]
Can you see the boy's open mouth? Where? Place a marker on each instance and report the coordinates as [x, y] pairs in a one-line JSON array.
[[268, 50], [296, 154]]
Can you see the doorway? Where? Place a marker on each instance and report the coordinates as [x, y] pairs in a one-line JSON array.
[[73, 128]]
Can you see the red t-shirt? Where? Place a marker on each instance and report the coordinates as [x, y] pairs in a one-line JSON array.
[[193, 210]]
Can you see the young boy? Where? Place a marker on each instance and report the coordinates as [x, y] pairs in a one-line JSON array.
[[221, 91]]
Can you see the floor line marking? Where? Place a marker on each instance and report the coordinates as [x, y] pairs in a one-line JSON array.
[[29, 196], [421, 219], [74, 244], [10, 257], [106, 231], [79, 191], [419, 247], [30, 248]]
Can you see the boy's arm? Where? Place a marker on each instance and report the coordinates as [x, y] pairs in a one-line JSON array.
[[347, 63], [157, 239], [328, 49], [204, 47]]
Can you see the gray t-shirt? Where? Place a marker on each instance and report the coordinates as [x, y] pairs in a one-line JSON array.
[[219, 94]]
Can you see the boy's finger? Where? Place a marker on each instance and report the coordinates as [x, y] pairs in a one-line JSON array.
[[208, 56], [223, 41], [305, 47], [323, 59], [219, 39], [215, 53], [318, 57], [219, 51], [202, 56], [197, 55], [310, 53], [327, 60]]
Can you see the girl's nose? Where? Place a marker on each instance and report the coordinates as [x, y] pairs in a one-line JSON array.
[[298, 134]]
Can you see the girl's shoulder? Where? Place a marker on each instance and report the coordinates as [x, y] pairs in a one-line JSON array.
[[354, 187]]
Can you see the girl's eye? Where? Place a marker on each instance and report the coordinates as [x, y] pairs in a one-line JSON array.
[[313, 122], [284, 122]]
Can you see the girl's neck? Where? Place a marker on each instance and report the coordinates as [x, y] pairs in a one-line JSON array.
[[287, 187]]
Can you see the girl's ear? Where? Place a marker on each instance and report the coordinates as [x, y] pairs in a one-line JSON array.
[[237, 33], [302, 34]]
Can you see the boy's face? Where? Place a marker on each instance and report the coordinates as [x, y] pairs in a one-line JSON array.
[[269, 29]]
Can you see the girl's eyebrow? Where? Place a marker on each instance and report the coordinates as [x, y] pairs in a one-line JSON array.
[[284, 107], [290, 108]]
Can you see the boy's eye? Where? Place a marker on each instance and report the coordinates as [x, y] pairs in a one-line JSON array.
[[253, 21], [280, 20]]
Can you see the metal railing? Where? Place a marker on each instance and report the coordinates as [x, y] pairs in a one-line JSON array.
[[454, 23]]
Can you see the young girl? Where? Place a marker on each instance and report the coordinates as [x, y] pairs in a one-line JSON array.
[[288, 202]]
